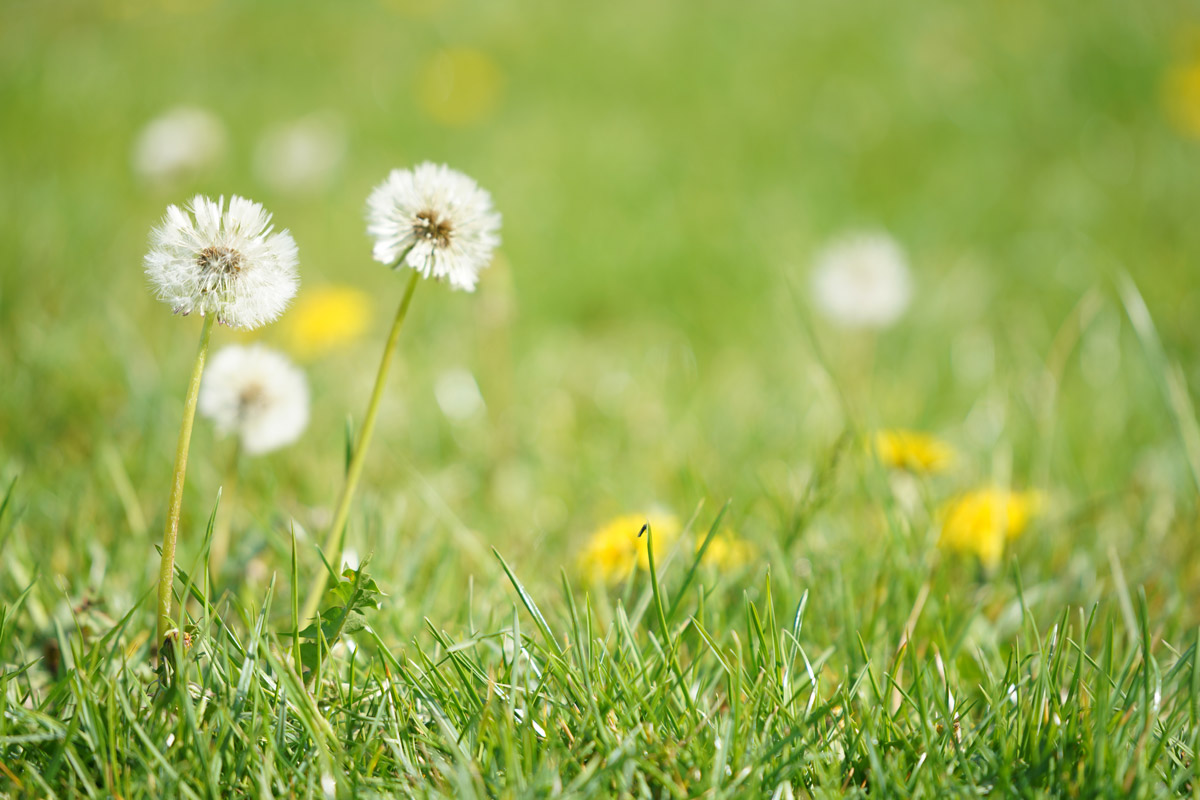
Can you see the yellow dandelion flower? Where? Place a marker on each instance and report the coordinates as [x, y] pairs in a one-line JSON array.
[[326, 318], [727, 551], [1181, 96], [459, 86], [615, 549], [913, 450], [982, 521]]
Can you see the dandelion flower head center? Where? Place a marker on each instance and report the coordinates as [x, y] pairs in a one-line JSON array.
[[219, 261], [251, 399], [431, 227]]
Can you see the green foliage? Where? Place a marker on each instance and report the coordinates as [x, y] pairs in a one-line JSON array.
[[646, 340], [342, 612], [757, 703]]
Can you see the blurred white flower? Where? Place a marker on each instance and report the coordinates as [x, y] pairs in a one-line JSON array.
[[227, 263], [256, 393], [862, 281], [181, 142], [436, 220], [301, 156], [458, 394]]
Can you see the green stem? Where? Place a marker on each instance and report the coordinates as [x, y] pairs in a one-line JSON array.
[[166, 570], [336, 536]]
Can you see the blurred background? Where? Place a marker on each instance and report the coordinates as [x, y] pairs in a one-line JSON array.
[[648, 336]]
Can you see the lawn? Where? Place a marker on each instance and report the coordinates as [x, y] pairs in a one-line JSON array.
[[805, 614]]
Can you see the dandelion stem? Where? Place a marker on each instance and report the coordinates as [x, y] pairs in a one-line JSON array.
[[336, 536], [166, 570]]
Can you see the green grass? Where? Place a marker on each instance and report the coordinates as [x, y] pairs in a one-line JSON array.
[[868, 681], [646, 339]]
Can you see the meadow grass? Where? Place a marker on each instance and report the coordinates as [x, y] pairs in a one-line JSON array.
[[880, 678], [645, 341]]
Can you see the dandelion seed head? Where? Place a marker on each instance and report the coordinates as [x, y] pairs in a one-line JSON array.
[[256, 394], [227, 262], [302, 156], [458, 395], [862, 281], [436, 221], [183, 141]]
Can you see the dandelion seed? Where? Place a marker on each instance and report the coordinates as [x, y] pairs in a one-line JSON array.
[[615, 549], [862, 281], [257, 394], [435, 220], [227, 263], [326, 318], [181, 142], [982, 521], [913, 451]]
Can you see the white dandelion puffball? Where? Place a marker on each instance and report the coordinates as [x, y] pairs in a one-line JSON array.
[[435, 220], [302, 156], [256, 393], [228, 263], [181, 142], [862, 281]]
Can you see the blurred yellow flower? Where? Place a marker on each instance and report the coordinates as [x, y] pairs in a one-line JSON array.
[[1181, 96], [326, 318], [615, 549], [459, 86], [980, 522], [727, 551], [913, 450]]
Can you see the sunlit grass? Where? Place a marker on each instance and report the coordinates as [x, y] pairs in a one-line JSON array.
[[646, 340]]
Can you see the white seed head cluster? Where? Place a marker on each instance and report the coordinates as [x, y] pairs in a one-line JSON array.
[[184, 141], [862, 281], [436, 221], [303, 156], [229, 263], [257, 394]]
